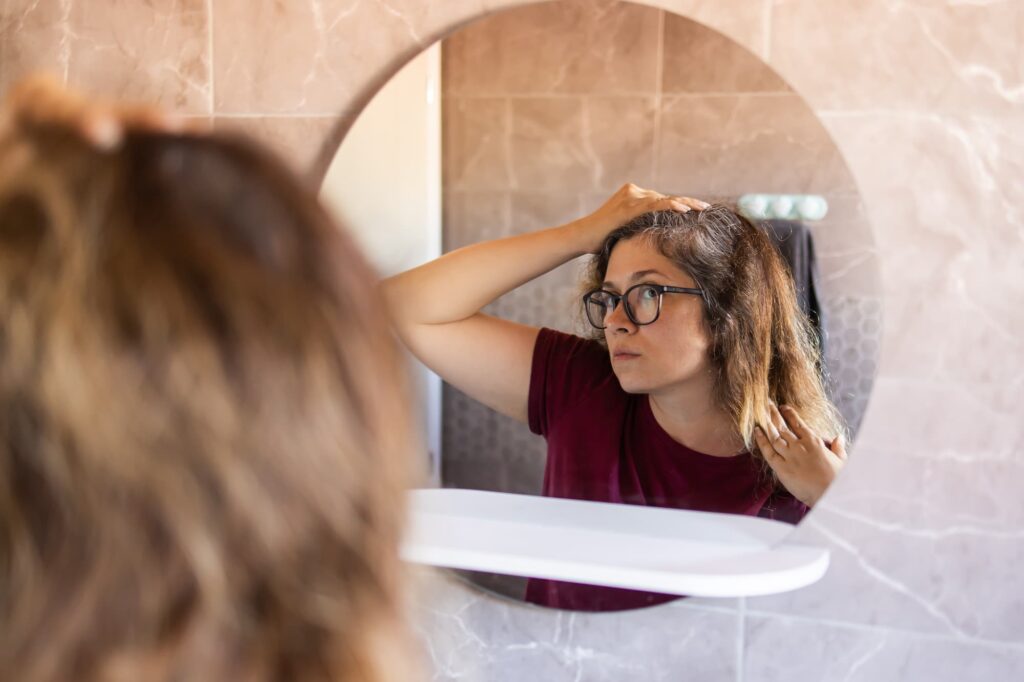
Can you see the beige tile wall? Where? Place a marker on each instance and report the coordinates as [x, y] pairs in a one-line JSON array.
[[924, 100]]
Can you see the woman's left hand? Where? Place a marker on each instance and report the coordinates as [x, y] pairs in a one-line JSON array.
[[42, 100], [800, 458]]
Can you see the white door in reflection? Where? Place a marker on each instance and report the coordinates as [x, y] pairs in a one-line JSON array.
[[384, 185]]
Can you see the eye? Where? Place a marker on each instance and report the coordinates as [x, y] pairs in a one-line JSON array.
[[648, 293]]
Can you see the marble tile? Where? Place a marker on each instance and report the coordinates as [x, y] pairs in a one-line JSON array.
[[474, 636], [315, 66], [156, 52], [544, 144], [36, 36], [470, 216], [944, 419], [298, 140], [868, 582], [619, 138], [791, 650], [536, 210], [925, 350], [734, 144], [573, 47], [945, 203], [911, 493], [549, 147], [846, 248], [551, 300], [958, 580], [842, 54], [948, 242], [698, 60], [476, 144], [747, 23]]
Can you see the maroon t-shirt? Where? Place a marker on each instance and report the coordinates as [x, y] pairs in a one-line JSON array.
[[605, 445]]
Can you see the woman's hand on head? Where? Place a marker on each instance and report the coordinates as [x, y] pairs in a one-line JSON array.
[[627, 203], [805, 465], [41, 100]]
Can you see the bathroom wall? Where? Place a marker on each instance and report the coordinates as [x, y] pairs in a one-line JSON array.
[[924, 100], [549, 108]]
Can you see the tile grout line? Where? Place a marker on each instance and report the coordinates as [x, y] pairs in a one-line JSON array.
[[881, 629], [65, 52], [5, 18], [741, 643], [766, 38], [659, 73], [623, 94], [313, 115], [209, 53]]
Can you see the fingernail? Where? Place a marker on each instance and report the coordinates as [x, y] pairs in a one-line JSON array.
[[704, 205], [104, 132]]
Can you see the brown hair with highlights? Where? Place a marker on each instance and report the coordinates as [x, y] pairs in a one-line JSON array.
[[204, 427], [763, 348]]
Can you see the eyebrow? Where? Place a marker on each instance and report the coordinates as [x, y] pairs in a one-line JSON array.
[[640, 274]]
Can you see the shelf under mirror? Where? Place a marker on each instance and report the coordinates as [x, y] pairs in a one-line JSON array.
[[671, 551]]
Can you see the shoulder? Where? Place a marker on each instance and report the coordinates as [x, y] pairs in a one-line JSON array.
[[566, 368], [569, 347]]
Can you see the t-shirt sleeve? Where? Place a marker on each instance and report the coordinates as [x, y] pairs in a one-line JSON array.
[[565, 368]]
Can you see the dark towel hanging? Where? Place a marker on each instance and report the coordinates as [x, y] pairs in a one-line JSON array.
[[796, 245]]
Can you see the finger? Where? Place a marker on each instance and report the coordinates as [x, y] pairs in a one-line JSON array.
[[101, 128], [770, 430], [780, 424], [796, 424], [670, 204], [695, 204], [838, 446], [41, 100], [631, 191], [770, 454]]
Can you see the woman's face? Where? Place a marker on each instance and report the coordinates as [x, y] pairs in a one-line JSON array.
[[674, 348]]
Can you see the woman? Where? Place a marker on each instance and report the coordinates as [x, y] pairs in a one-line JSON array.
[[702, 337], [204, 434]]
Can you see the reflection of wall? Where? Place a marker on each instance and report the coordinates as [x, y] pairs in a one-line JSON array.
[[925, 526], [549, 108]]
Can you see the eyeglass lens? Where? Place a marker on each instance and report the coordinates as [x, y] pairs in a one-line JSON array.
[[641, 305]]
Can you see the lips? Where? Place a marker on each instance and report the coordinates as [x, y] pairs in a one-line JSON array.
[[624, 355]]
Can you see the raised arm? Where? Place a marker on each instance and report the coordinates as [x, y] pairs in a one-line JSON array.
[[436, 307]]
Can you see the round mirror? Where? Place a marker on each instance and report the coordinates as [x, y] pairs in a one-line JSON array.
[[533, 118]]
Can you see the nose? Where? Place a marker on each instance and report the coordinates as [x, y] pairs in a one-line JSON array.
[[616, 320]]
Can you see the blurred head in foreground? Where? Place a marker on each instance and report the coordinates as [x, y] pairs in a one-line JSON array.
[[204, 433]]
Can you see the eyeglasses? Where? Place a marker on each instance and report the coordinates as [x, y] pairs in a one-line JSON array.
[[641, 301]]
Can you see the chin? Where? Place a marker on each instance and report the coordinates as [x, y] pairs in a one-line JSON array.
[[633, 384]]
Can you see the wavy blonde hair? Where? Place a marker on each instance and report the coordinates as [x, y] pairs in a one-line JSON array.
[[204, 425], [763, 348]]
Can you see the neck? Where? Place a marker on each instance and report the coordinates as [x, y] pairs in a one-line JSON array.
[[689, 416]]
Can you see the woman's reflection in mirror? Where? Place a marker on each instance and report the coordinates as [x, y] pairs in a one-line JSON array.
[[700, 386]]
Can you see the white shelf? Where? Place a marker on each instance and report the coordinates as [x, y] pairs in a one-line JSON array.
[[672, 551]]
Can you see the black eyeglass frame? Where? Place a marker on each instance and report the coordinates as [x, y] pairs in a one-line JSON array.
[[662, 289]]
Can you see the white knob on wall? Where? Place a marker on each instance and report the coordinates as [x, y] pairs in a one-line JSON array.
[[784, 206]]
